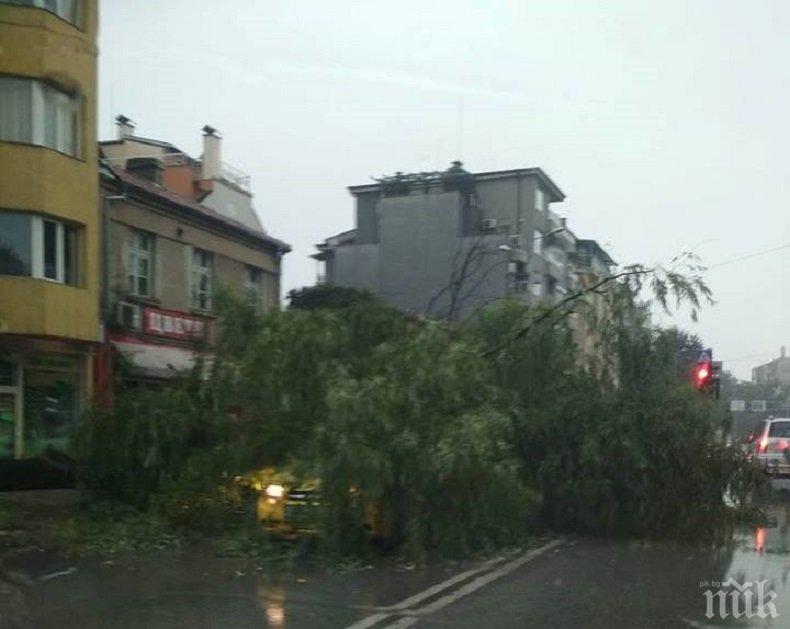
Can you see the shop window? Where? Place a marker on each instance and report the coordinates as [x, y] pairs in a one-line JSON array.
[[40, 247], [202, 279], [7, 431], [50, 405], [7, 373], [33, 112]]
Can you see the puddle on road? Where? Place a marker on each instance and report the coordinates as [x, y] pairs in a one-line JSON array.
[[272, 600], [760, 554]]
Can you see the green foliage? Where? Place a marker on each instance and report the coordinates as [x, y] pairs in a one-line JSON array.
[[458, 436], [279, 370], [327, 296], [425, 435], [129, 452], [109, 528], [638, 466]]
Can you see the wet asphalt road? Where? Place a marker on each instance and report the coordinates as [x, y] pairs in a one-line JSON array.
[[578, 583]]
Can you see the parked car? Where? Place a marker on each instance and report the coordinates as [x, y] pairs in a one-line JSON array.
[[769, 446], [290, 507]]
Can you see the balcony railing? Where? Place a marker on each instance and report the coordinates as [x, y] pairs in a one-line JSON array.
[[235, 176]]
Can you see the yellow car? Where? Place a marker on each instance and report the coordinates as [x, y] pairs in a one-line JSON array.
[[290, 507]]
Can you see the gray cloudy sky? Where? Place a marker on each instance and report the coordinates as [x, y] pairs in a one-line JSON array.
[[664, 122]]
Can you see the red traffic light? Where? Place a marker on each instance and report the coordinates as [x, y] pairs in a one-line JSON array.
[[702, 374]]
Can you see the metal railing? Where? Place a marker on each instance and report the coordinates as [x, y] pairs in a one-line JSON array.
[[235, 176]]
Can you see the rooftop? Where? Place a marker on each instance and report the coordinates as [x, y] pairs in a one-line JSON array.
[[595, 248], [413, 180], [151, 191]]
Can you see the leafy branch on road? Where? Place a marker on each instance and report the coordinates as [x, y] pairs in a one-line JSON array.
[[463, 435]]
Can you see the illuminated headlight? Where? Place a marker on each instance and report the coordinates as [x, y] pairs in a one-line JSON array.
[[275, 491]]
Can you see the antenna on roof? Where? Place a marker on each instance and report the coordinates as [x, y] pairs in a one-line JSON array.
[[460, 128]]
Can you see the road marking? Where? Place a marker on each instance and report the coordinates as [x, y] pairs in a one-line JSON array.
[[369, 621], [406, 606], [485, 579], [406, 621]]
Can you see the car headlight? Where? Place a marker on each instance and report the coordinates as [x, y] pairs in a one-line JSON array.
[[275, 491]]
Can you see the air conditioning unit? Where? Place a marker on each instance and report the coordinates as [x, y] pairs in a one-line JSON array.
[[128, 316], [488, 223]]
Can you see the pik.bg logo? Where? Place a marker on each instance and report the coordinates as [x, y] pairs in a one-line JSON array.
[[731, 599]]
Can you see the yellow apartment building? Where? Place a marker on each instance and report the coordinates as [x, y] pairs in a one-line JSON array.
[[49, 221]]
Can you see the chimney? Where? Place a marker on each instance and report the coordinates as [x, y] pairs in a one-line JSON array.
[[125, 127], [146, 167], [212, 158]]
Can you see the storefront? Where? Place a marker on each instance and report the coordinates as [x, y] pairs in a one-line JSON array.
[[44, 387], [159, 344]]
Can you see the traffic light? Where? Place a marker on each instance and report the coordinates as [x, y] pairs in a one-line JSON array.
[[703, 372], [706, 374]]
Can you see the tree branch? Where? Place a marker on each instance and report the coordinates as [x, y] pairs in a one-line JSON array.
[[569, 299]]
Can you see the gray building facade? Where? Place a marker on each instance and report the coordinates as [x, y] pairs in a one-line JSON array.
[[448, 243], [776, 371]]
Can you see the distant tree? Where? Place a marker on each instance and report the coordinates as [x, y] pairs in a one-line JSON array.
[[679, 350], [328, 296]]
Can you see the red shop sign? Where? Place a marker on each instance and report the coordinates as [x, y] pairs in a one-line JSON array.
[[173, 324]]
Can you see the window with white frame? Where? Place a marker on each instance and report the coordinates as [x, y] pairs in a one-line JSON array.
[[33, 112], [69, 10], [41, 247], [537, 242], [540, 201], [202, 276], [140, 263]]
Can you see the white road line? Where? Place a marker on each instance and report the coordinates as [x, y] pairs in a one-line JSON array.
[[405, 606], [406, 621], [485, 579], [435, 589], [369, 621]]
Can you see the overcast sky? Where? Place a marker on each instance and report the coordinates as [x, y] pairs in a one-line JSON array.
[[664, 122]]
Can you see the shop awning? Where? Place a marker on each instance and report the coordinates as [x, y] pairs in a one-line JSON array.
[[154, 360]]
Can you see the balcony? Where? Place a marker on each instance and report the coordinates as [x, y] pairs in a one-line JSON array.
[[555, 270]]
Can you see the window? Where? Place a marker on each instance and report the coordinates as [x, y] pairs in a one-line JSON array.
[[14, 244], [779, 429], [35, 246], [140, 263], [537, 242], [536, 289], [540, 203], [36, 113], [253, 284], [202, 271], [69, 10]]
